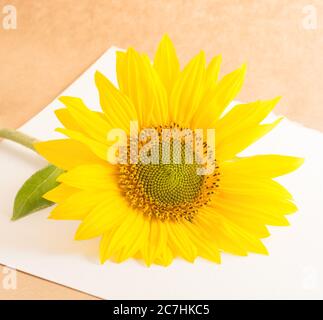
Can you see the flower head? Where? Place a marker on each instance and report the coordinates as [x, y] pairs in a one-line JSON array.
[[169, 196]]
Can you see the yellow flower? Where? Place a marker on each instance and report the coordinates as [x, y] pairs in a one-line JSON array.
[[157, 212]]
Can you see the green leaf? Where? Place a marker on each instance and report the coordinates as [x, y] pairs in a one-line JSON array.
[[29, 198]]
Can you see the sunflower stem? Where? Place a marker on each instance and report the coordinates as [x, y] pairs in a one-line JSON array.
[[18, 137]]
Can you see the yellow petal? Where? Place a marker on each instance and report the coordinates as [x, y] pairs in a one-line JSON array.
[[131, 80], [107, 214], [238, 141], [118, 108], [253, 186], [78, 205], [214, 231], [179, 242], [104, 243], [212, 72], [122, 70], [262, 166], [165, 258], [126, 239], [157, 111], [98, 148], [65, 118], [91, 177], [213, 105], [230, 237], [136, 239], [266, 209], [140, 82], [255, 228], [248, 241], [205, 248], [252, 226], [166, 63], [243, 117], [188, 90], [66, 153], [156, 242], [91, 122], [60, 193]]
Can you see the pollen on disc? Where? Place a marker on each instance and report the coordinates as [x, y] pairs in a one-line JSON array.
[[171, 190]]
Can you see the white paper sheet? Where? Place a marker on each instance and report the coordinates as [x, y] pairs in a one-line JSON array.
[[45, 248]]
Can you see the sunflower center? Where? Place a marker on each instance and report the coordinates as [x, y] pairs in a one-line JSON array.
[[172, 190], [170, 184]]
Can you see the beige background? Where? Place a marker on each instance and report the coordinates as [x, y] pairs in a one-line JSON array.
[[57, 40]]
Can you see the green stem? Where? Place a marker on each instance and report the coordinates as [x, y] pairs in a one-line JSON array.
[[18, 137]]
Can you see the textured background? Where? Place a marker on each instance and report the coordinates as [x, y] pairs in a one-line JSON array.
[[57, 40]]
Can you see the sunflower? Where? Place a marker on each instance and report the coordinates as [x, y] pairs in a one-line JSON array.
[[157, 212]]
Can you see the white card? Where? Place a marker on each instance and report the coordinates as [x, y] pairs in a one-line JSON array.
[[45, 248]]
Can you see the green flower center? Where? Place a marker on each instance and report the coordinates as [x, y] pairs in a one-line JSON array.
[[170, 184], [171, 190]]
